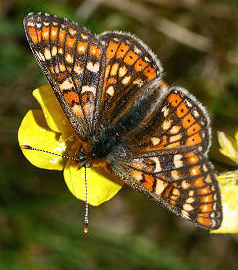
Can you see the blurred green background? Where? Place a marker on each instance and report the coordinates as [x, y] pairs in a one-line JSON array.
[[40, 221]]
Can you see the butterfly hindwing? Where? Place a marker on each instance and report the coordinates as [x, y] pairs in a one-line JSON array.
[[72, 59], [184, 182]]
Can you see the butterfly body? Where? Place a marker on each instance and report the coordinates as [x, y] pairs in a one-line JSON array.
[[152, 137]]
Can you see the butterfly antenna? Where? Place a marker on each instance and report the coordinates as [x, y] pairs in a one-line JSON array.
[[28, 147], [85, 226]]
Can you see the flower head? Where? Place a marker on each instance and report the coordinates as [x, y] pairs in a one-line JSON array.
[[49, 129], [228, 183]]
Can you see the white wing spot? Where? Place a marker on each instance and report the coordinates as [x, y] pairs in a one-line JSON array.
[[185, 184], [188, 103], [157, 164], [138, 81], [208, 179], [175, 174], [84, 36], [114, 69], [160, 186], [78, 70], [178, 163], [93, 67], [47, 54], [67, 84], [30, 24], [60, 51], [190, 200], [122, 71], [69, 58], [165, 110], [147, 59], [137, 50], [175, 129], [166, 124], [188, 207], [126, 80], [54, 51], [88, 88], [110, 91], [155, 140], [196, 113]]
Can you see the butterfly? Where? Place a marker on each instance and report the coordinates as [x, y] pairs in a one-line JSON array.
[[127, 120]]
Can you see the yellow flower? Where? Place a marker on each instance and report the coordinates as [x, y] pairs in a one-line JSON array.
[[229, 146], [228, 183], [50, 130]]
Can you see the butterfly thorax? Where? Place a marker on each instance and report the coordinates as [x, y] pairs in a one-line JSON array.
[[100, 150]]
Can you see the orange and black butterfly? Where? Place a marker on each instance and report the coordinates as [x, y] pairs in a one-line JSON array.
[[153, 137]]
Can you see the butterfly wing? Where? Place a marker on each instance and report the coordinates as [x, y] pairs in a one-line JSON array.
[[179, 120], [73, 62], [167, 160], [130, 66]]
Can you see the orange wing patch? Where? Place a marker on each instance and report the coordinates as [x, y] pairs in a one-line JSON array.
[[45, 32], [130, 58], [122, 50], [148, 182], [70, 42], [54, 33], [150, 73], [62, 34], [71, 97], [174, 99], [182, 110], [95, 51], [111, 50], [82, 47]]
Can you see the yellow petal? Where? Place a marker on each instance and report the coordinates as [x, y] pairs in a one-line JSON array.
[[54, 115], [229, 192], [35, 132], [236, 137], [229, 148], [100, 187]]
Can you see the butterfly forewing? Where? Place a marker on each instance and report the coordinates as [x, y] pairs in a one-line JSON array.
[[179, 121], [72, 59], [130, 66]]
